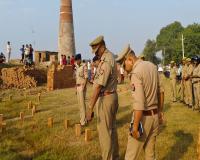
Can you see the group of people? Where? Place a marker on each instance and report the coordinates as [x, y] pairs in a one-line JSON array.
[[67, 60], [190, 82], [147, 106], [27, 54]]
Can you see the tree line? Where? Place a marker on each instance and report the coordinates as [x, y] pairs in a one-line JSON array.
[[169, 42]]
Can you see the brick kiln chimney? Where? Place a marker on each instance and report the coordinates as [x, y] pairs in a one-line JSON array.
[[66, 42]]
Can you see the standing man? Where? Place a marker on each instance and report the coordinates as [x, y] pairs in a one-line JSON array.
[[68, 60], [81, 85], [105, 91], [31, 53], [22, 53], [147, 106], [173, 73], [8, 51], [196, 82], [188, 82], [183, 88]]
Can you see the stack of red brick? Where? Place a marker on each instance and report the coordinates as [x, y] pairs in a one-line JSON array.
[[19, 77], [59, 77]]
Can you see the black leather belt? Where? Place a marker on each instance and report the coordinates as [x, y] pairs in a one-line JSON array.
[[196, 82], [102, 94], [150, 112]]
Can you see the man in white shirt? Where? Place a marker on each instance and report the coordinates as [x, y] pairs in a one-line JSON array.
[[122, 74], [89, 70], [8, 51]]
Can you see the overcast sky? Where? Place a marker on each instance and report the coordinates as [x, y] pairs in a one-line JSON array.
[[120, 21]]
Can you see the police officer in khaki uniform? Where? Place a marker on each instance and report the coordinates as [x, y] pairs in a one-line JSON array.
[[183, 90], [105, 83], [173, 73], [81, 85], [147, 106], [196, 82], [186, 67], [188, 81]]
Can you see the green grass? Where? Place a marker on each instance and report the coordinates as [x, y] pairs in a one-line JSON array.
[[33, 140]]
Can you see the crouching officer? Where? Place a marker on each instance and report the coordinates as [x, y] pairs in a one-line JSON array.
[[147, 106], [81, 85], [105, 87]]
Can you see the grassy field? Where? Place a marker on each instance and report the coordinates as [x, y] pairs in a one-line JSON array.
[[34, 140]]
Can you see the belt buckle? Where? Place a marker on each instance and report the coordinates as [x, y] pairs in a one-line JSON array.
[[152, 112]]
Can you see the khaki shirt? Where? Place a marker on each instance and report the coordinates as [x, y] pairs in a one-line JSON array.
[[196, 72], [106, 74], [145, 85], [81, 73], [190, 70], [173, 72], [161, 82], [184, 69]]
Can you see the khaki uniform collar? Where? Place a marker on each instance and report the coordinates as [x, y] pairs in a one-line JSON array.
[[136, 63], [104, 55]]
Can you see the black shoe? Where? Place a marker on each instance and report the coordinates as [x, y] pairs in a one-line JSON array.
[[189, 106]]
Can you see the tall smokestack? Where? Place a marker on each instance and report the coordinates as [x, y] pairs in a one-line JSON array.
[[66, 42]]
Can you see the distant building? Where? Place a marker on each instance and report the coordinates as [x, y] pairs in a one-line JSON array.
[[45, 56]]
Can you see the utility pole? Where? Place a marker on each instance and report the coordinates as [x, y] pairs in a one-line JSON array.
[[183, 49]]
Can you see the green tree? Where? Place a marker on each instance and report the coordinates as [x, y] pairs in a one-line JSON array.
[[150, 52], [192, 40], [169, 39]]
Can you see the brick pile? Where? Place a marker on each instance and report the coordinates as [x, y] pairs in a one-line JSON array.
[[20, 77], [59, 77]]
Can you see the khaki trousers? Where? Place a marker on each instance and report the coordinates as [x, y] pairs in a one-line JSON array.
[[197, 95], [173, 87], [81, 93], [182, 91], [106, 124], [185, 93], [189, 92], [146, 142]]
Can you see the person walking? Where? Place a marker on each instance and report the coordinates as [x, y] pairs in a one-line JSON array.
[[105, 92], [147, 105]]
